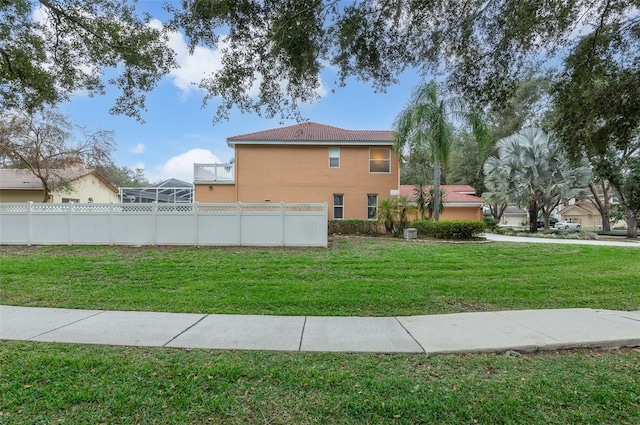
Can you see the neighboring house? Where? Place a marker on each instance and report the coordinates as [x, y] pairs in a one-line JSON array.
[[587, 215], [460, 202], [514, 217], [19, 185], [350, 170], [168, 191]]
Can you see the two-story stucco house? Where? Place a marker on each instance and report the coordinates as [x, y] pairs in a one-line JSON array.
[[350, 170]]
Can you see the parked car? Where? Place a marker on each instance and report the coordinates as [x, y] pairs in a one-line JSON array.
[[552, 223], [567, 225]]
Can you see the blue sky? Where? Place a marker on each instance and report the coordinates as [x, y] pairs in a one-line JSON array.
[[178, 132]]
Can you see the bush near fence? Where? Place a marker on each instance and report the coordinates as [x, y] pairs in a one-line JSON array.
[[455, 229], [355, 227]]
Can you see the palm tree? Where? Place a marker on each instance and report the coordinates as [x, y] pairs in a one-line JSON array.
[[531, 169], [404, 209], [421, 197], [431, 202], [424, 124], [387, 211]]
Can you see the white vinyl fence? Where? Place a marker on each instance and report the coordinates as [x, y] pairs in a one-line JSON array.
[[164, 224]]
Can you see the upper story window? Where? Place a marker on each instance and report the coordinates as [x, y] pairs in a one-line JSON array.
[[380, 160], [334, 157]]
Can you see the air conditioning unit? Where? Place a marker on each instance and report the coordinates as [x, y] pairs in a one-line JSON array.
[[411, 233]]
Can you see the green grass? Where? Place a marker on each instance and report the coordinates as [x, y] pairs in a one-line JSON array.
[[355, 276], [71, 384]]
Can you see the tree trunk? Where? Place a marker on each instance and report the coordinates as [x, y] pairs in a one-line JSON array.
[[546, 215], [45, 191], [533, 215], [602, 206], [632, 223], [497, 210], [436, 189]]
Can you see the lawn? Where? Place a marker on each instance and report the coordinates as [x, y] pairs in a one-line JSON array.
[[73, 384], [58, 383], [354, 277]]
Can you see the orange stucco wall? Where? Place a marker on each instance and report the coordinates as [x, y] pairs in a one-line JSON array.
[[456, 213], [218, 193], [302, 174], [461, 213]]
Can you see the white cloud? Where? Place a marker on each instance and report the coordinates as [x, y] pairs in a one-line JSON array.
[[193, 67], [202, 63], [181, 167], [139, 148]]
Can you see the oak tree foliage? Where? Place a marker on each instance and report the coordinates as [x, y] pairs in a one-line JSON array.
[[50, 49], [48, 145], [483, 47]]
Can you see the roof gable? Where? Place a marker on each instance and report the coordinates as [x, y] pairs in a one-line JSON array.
[[314, 133]]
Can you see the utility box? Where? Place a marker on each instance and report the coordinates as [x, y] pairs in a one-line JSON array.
[[411, 233]]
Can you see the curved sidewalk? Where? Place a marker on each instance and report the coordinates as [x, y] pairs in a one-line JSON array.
[[525, 239], [526, 330]]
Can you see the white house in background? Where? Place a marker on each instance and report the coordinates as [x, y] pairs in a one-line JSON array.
[[19, 185], [514, 217]]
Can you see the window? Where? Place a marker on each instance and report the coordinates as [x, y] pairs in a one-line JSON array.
[[338, 206], [334, 157], [379, 160], [372, 206], [70, 201]]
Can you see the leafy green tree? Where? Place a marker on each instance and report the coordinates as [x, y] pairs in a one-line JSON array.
[[597, 108], [45, 143], [52, 48], [532, 170], [123, 176], [484, 47]]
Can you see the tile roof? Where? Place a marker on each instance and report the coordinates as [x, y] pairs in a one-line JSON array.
[[452, 193], [311, 131]]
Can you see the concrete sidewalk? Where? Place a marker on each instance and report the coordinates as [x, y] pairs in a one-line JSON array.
[[526, 330], [526, 239]]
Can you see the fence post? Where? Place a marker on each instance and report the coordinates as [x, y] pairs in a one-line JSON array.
[[70, 224], [282, 223], [239, 217], [196, 211], [29, 223], [111, 223], [154, 211]]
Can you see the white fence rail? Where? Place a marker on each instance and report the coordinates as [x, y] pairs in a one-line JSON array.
[[164, 224]]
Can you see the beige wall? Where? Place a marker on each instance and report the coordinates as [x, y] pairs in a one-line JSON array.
[[301, 174], [87, 187], [18, 196]]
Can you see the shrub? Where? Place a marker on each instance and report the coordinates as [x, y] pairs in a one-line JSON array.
[[456, 229], [355, 227], [490, 223]]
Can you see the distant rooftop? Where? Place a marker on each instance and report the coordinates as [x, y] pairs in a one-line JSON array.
[[314, 132]]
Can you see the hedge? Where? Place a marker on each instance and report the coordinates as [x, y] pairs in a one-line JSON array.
[[355, 227], [455, 229]]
